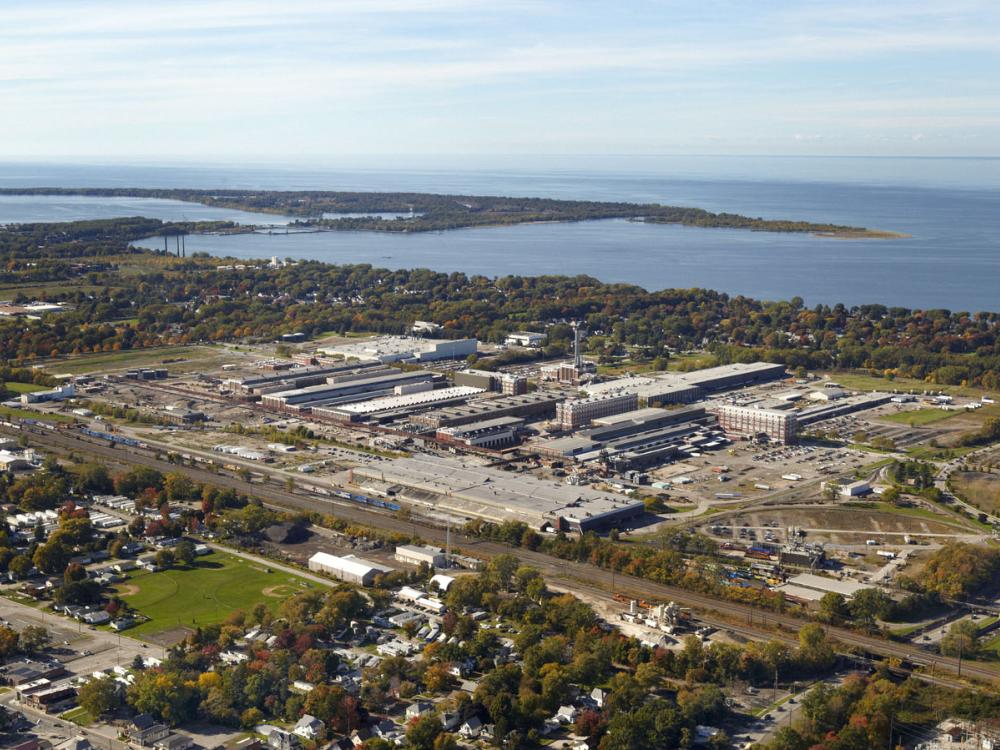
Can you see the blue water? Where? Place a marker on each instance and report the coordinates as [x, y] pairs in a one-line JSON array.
[[951, 207], [44, 208]]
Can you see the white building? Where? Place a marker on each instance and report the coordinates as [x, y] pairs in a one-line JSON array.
[[310, 728], [853, 489], [525, 338], [349, 568], [404, 349], [61, 393], [421, 554]]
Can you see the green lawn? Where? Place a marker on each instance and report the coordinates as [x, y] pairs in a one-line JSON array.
[[207, 593], [7, 412], [862, 382], [990, 648], [123, 360], [79, 716], [930, 453], [920, 417], [23, 387]]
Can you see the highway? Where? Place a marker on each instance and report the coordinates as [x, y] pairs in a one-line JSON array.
[[571, 575]]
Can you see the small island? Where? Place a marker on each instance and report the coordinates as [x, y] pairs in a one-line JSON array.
[[427, 212]]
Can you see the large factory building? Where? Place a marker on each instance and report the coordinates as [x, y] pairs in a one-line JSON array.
[[405, 349], [540, 405], [329, 394], [447, 485], [579, 412], [779, 426], [684, 387]]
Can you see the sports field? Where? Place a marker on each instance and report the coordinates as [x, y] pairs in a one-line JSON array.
[[214, 587], [920, 417]]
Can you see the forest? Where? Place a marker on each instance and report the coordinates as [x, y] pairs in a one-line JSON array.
[[424, 212]]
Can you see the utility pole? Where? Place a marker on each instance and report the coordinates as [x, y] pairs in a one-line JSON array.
[[447, 553]]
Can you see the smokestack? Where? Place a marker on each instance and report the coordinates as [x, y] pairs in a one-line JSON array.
[[577, 362]]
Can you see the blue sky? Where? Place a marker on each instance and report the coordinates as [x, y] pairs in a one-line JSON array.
[[241, 79]]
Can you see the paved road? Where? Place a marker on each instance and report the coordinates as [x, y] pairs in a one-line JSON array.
[[579, 574]]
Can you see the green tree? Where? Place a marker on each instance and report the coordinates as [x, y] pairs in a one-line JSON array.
[[134, 481], [423, 732], [868, 605], [34, 638], [8, 642], [177, 488], [815, 650], [99, 696], [184, 553], [164, 694], [833, 608], [962, 639], [51, 558], [93, 478], [20, 566], [165, 558]]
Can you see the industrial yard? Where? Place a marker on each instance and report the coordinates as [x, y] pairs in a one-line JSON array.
[[783, 473]]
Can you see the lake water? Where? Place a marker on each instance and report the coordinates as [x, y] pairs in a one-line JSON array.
[[951, 207], [26, 209]]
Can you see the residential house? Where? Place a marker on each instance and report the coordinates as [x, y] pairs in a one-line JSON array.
[[97, 618], [566, 714], [310, 728], [174, 741], [418, 709], [598, 696], [279, 739], [360, 736], [145, 731], [387, 730], [471, 728]]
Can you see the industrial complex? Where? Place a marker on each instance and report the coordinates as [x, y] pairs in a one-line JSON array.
[[450, 486]]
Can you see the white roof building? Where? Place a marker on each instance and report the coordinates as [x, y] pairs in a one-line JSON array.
[[349, 568]]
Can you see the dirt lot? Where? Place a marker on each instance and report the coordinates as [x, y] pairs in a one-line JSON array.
[[841, 525], [978, 488]]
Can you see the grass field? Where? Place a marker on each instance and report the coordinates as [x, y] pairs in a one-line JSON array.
[[206, 593], [23, 387], [930, 453], [920, 417], [7, 412], [861, 382], [981, 490], [192, 356]]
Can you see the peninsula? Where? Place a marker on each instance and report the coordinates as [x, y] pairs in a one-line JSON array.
[[427, 212]]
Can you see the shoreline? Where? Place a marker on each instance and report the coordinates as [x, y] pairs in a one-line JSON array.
[[441, 213]]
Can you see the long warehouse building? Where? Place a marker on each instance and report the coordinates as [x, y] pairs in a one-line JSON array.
[[446, 485], [540, 404], [302, 399], [685, 387], [383, 407]]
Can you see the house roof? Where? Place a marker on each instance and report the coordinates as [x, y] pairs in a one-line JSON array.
[[143, 721]]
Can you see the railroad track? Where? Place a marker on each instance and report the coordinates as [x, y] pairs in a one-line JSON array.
[[750, 622]]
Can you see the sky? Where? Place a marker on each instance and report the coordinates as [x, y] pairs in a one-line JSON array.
[[262, 79]]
